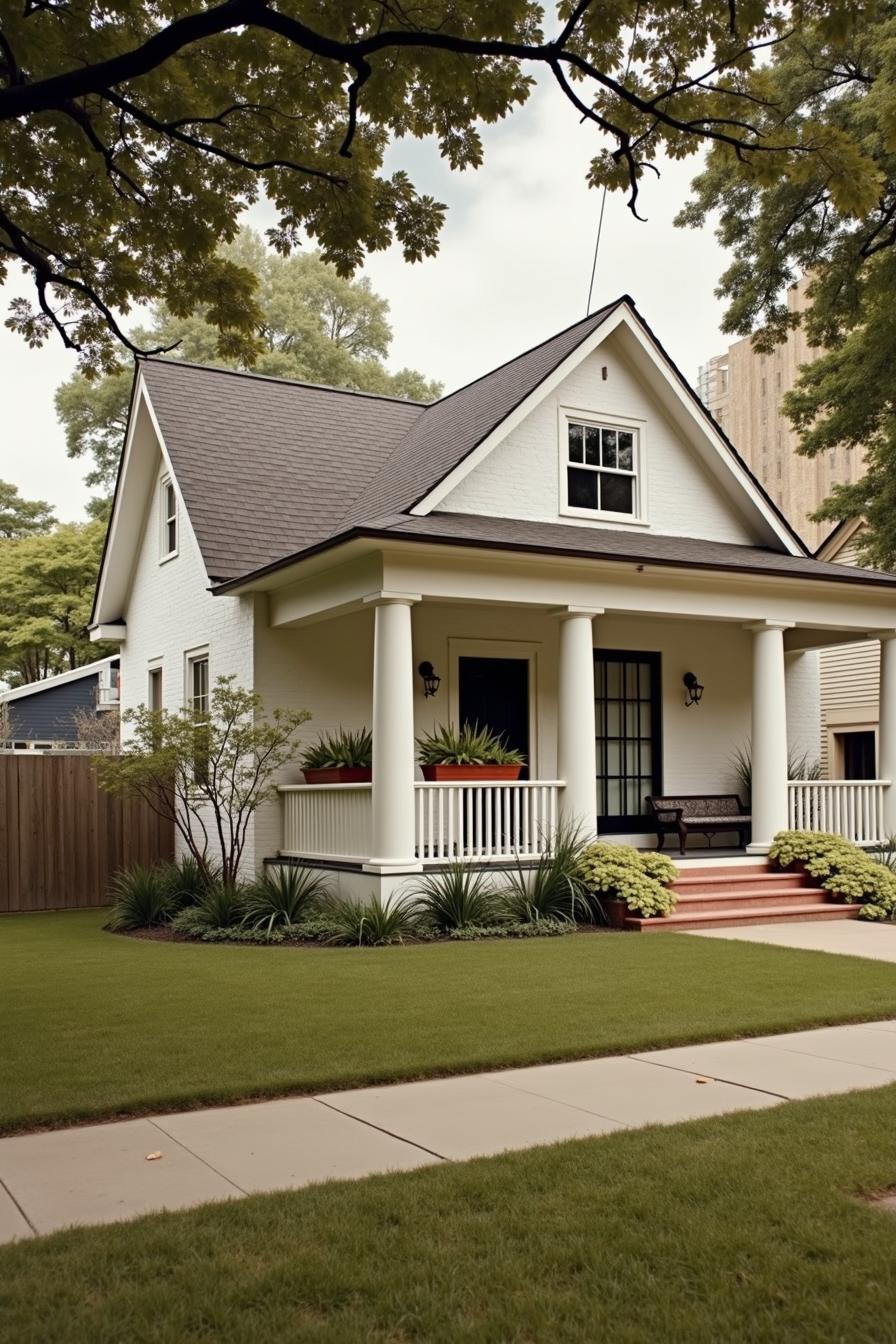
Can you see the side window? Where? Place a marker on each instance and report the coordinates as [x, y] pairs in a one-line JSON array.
[[600, 470], [155, 700], [168, 520]]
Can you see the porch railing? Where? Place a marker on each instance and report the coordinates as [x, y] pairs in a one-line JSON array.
[[327, 821], [853, 808], [481, 822], [485, 821]]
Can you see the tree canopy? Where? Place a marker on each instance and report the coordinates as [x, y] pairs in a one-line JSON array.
[[133, 136], [22, 517], [834, 221], [46, 593], [312, 324]]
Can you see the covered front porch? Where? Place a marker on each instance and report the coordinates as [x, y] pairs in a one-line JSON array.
[[346, 643]]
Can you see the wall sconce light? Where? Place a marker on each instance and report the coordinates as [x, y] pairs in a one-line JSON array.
[[693, 688], [431, 680]]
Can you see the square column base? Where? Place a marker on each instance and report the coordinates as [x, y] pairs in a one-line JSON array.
[[758, 848], [391, 869]]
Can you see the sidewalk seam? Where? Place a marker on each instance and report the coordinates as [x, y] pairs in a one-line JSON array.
[[6, 1189], [380, 1129], [154, 1121]]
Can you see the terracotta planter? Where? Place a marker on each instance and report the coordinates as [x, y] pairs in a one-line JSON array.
[[615, 910], [339, 774], [458, 774]]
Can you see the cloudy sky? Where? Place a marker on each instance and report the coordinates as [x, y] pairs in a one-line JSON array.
[[513, 267]]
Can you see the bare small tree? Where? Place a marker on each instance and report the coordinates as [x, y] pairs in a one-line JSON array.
[[208, 774], [99, 732]]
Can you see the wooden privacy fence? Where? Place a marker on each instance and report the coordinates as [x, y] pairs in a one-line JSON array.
[[62, 837]]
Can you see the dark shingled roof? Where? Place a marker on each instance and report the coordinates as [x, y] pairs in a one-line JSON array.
[[448, 431], [271, 470], [267, 467]]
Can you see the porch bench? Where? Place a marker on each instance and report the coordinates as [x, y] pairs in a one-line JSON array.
[[706, 813]]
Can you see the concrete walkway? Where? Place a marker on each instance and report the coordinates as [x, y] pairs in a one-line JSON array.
[[852, 938], [105, 1173]]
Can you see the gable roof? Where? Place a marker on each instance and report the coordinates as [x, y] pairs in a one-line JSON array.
[[269, 469], [266, 466], [60, 679], [448, 430]]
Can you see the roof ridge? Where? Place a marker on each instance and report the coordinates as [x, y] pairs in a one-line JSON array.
[[287, 382], [598, 312]]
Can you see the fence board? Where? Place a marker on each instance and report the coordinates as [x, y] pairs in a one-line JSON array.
[[62, 837]]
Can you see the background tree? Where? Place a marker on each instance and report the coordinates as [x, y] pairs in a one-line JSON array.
[[209, 776], [22, 517], [836, 222], [46, 593], [133, 136], [312, 324]]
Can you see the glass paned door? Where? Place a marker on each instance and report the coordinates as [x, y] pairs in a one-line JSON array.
[[629, 735]]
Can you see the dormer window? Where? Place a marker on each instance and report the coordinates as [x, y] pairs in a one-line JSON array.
[[168, 519], [600, 470]]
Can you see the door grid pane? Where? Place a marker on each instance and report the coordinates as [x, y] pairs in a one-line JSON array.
[[627, 702]]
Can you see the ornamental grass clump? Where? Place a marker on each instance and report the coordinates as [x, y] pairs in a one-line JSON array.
[[619, 872], [458, 897], [284, 896], [142, 899], [552, 887], [842, 868], [374, 923], [221, 906]]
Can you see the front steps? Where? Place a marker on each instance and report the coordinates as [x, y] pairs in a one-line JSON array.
[[732, 896]]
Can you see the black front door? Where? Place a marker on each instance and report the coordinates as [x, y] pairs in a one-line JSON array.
[[494, 692]]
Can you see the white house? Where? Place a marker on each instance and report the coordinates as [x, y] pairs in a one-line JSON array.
[[563, 539]]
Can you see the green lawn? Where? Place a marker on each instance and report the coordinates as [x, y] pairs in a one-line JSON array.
[[95, 1024], [748, 1230]]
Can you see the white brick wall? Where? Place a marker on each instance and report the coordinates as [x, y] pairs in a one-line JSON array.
[[520, 478], [170, 612], [803, 681]]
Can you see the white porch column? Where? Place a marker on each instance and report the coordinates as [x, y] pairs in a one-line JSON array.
[[886, 729], [393, 733], [576, 749], [769, 735]]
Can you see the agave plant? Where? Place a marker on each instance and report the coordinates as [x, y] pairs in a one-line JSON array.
[[372, 923], [457, 897], [142, 899], [552, 887], [340, 749], [471, 745], [284, 896]]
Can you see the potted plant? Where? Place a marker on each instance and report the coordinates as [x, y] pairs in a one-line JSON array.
[[471, 753], [621, 882], [339, 758]]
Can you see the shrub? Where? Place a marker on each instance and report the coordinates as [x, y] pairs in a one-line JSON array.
[[264, 937], [458, 896], [284, 895], [471, 745], [843, 869], [221, 906], [538, 928], [552, 887], [372, 923], [332, 750], [622, 873], [185, 882], [142, 899]]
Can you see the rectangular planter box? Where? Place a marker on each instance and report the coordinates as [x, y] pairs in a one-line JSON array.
[[459, 774], [339, 774]]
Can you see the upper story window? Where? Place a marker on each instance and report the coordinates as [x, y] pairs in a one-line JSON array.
[[601, 470], [197, 684], [168, 516]]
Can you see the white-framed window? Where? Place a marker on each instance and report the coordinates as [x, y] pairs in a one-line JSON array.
[[197, 700], [167, 519], [601, 469], [197, 683], [155, 689]]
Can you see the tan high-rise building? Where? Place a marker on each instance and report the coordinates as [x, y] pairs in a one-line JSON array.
[[743, 390]]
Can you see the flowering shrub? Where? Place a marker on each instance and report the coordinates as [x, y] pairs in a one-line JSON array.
[[621, 872], [841, 867]]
